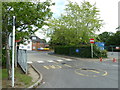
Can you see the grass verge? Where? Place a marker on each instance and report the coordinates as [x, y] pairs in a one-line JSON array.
[[22, 77], [21, 80]]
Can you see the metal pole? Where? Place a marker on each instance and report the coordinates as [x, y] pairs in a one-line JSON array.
[[13, 47], [92, 50]]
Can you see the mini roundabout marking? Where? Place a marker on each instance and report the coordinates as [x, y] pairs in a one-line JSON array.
[[90, 72]]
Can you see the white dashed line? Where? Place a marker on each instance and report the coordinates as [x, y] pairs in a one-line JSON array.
[[50, 61], [29, 62], [40, 61], [59, 60], [68, 59]]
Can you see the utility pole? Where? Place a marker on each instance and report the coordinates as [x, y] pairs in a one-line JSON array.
[[13, 49]]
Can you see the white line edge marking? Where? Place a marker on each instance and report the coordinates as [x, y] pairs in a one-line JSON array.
[[29, 62], [50, 61], [68, 59], [40, 61], [59, 60]]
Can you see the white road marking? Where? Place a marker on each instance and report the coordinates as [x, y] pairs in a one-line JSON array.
[[115, 65], [68, 59], [29, 62], [50, 61], [59, 60], [40, 61]]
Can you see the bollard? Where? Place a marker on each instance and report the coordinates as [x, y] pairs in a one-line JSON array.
[[101, 59], [114, 60]]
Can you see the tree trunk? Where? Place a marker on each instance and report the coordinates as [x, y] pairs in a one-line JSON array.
[[16, 55], [8, 59]]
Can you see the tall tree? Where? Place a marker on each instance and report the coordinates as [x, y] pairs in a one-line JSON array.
[[29, 18], [105, 36], [77, 25]]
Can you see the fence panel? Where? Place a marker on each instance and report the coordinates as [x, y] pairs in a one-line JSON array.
[[22, 59]]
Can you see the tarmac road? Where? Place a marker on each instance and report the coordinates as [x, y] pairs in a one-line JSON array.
[[61, 72]]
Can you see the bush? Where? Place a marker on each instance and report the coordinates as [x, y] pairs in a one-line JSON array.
[[112, 48], [4, 57], [80, 51]]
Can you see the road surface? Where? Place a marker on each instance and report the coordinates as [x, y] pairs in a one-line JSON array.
[[62, 72]]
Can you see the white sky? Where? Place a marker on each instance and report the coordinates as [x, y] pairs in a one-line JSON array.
[[108, 12]]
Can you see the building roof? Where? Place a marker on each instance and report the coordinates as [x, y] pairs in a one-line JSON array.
[[37, 39]]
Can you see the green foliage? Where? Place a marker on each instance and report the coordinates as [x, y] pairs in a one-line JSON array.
[[29, 17], [110, 38], [84, 51], [77, 25], [99, 53], [4, 57]]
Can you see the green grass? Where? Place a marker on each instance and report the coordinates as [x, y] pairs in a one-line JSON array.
[[0, 74], [19, 75], [4, 74], [23, 77]]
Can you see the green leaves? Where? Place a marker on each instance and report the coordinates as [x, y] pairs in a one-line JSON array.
[[77, 25], [28, 15]]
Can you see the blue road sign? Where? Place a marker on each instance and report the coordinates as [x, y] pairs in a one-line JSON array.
[[101, 45], [77, 50]]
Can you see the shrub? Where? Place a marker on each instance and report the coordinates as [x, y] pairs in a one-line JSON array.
[[83, 51]]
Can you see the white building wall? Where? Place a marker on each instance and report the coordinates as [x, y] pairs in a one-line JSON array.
[[26, 47]]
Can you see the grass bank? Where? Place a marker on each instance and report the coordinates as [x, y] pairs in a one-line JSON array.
[[21, 80]]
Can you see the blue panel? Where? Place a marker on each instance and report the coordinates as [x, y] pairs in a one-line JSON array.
[[101, 45], [77, 50]]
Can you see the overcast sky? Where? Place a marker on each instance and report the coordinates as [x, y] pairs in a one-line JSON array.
[[108, 12]]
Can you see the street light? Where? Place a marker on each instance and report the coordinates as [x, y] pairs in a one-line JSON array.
[[13, 47]]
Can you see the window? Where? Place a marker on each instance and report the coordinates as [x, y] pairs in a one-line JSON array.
[[33, 38], [28, 47]]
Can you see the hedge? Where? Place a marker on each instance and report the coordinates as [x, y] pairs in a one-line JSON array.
[[81, 51]]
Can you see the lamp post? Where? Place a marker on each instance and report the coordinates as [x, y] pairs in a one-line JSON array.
[[13, 48]]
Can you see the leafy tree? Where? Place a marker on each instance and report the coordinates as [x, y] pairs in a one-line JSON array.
[[105, 36], [115, 39], [77, 25], [30, 17], [110, 38]]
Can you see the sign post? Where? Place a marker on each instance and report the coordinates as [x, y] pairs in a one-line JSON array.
[[92, 41], [13, 48]]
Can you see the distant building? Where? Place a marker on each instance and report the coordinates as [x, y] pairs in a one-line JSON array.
[[34, 43]]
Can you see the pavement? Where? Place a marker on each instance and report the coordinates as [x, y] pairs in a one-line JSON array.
[[69, 72]]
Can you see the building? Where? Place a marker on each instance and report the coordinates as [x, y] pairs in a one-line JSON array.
[[34, 43]]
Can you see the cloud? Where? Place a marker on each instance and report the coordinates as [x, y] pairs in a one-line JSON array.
[[59, 7]]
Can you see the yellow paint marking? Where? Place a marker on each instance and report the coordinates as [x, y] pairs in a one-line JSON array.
[[79, 73], [46, 67], [67, 65], [58, 66], [52, 66], [105, 74], [93, 71]]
